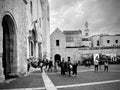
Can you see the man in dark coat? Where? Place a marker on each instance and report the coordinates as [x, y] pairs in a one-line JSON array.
[[63, 67], [75, 64], [69, 67], [50, 65]]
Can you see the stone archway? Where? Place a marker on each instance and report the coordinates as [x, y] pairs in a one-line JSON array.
[[9, 46], [57, 57]]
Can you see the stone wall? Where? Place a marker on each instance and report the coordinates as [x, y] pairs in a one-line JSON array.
[[13, 9], [45, 28]]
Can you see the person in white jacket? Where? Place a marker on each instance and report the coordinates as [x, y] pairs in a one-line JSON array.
[[96, 62]]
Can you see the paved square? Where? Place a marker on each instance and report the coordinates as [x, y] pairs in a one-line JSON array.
[[33, 80], [92, 80], [87, 79]]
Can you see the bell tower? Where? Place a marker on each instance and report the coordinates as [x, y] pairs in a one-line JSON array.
[[86, 31]]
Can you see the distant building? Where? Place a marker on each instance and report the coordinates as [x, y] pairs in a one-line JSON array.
[[58, 45], [73, 38], [24, 34], [105, 40], [76, 45], [65, 44], [86, 37], [108, 44]]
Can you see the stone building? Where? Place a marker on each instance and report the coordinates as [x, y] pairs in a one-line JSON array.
[[105, 40], [65, 44], [58, 45], [73, 38], [111, 42], [77, 45], [22, 34]]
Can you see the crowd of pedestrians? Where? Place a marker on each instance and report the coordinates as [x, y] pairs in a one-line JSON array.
[[68, 67], [46, 64], [98, 64]]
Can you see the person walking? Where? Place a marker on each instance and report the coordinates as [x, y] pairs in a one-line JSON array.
[[96, 64], [100, 64], [46, 64], [50, 65], [75, 64], [40, 65], [106, 65], [28, 64], [69, 67], [63, 67], [55, 66]]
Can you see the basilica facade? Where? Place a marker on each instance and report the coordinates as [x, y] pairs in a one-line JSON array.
[[24, 33]]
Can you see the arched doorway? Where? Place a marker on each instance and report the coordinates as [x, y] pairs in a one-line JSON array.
[[9, 46], [57, 58]]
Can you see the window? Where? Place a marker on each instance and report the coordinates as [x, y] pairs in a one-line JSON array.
[[48, 14], [32, 49], [98, 43], [108, 41], [40, 21], [116, 41], [31, 7], [69, 38], [57, 42]]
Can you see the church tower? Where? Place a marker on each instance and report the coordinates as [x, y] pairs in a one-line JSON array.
[[86, 31]]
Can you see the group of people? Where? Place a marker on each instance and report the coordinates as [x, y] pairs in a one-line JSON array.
[[98, 63], [40, 64], [48, 64], [68, 67]]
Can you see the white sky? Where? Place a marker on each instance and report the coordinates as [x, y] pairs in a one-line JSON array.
[[103, 16]]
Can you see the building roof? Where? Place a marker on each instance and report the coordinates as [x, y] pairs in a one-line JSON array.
[[56, 30], [72, 32]]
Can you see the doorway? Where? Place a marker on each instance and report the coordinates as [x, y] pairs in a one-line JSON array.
[[9, 45], [57, 58]]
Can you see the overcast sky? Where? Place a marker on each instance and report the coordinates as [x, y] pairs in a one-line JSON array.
[[103, 16]]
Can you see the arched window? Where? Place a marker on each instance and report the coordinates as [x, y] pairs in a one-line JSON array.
[[31, 49], [31, 7]]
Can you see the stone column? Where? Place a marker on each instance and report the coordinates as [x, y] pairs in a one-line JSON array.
[[28, 47], [36, 50], [1, 69], [2, 77]]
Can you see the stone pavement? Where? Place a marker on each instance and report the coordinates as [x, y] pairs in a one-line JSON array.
[[48, 83], [89, 80], [86, 79], [33, 80]]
